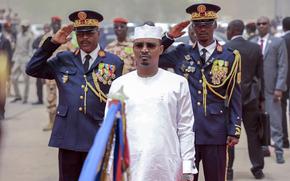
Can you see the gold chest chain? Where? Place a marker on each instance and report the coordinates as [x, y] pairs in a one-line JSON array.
[[98, 92], [235, 74]]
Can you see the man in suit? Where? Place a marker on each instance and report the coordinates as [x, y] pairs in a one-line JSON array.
[[286, 37], [213, 74], [39, 82], [83, 79], [275, 75], [5, 64], [252, 95]]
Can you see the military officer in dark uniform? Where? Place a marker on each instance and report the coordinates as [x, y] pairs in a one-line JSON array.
[[214, 78], [83, 79]]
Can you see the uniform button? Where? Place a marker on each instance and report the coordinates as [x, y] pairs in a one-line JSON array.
[[80, 109], [202, 70], [85, 76], [198, 103], [199, 92], [200, 81], [221, 111], [83, 86], [81, 97], [57, 112]]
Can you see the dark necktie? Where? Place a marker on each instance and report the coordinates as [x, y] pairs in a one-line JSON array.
[[87, 62], [262, 44], [203, 55]]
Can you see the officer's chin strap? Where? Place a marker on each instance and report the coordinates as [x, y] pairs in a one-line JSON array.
[[233, 75]]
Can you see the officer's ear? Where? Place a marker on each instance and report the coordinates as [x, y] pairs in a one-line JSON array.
[[161, 49], [215, 24]]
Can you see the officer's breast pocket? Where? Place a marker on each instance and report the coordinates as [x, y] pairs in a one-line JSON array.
[[215, 109], [66, 73], [216, 114], [60, 121]]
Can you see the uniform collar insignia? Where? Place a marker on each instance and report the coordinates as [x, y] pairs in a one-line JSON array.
[[102, 53], [219, 48]]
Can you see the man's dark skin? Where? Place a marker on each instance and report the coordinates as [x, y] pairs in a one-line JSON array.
[[263, 26], [121, 30], [55, 25], [204, 35]]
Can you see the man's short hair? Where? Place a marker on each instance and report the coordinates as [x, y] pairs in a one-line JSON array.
[[286, 23], [251, 26], [237, 26]]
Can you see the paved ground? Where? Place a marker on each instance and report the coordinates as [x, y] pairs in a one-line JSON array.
[[25, 156]]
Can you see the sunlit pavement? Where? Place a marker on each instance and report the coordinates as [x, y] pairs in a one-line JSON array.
[[25, 155]]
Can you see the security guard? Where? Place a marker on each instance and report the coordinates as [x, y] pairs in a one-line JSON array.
[[83, 79], [214, 77]]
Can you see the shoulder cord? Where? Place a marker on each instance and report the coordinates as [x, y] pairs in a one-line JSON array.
[[235, 73]]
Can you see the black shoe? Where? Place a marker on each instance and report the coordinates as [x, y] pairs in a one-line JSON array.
[[230, 174], [258, 174], [266, 152], [286, 144], [280, 158], [37, 103], [16, 99]]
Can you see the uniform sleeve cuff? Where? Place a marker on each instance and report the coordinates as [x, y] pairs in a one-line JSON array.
[[49, 46], [167, 36], [188, 166]]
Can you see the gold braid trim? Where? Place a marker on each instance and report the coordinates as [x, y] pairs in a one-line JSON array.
[[234, 74], [237, 73], [85, 99], [102, 98], [101, 94]]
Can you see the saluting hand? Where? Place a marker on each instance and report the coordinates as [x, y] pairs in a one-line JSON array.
[[176, 30], [62, 35]]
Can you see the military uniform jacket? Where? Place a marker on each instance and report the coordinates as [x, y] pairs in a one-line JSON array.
[[218, 110], [81, 94]]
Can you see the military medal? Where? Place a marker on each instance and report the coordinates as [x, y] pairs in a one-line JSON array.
[[219, 71], [65, 77], [187, 57], [106, 73]]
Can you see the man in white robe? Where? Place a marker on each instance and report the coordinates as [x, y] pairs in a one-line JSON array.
[[159, 115]]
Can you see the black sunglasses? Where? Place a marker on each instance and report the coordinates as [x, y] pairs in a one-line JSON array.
[[149, 45], [262, 23]]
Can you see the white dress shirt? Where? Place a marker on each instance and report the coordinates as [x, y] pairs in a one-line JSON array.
[[209, 49], [265, 40], [93, 54]]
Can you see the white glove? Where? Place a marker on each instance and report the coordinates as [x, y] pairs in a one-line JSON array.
[[187, 177]]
